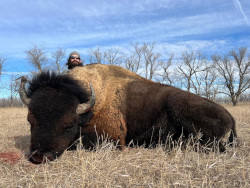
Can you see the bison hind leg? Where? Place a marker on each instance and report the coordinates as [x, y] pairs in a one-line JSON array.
[[233, 139], [197, 141], [214, 145]]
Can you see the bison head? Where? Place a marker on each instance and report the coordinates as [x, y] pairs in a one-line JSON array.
[[57, 106]]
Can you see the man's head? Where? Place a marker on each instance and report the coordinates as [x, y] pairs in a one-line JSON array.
[[74, 60]]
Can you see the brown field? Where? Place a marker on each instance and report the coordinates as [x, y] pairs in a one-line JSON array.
[[136, 167]]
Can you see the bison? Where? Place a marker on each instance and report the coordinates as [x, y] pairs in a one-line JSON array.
[[102, 99]]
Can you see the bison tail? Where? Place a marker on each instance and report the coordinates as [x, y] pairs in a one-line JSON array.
[[232, 140]]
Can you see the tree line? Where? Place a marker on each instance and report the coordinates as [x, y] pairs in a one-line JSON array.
[[210, 77]]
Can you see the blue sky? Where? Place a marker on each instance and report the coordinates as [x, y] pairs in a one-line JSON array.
[[210, 26]]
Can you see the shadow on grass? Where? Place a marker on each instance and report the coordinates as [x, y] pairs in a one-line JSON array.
[[23, 143]]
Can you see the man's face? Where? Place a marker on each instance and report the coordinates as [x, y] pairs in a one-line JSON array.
[[74, 60]]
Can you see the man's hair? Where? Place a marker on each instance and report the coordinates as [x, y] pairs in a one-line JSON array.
[[74, 53]]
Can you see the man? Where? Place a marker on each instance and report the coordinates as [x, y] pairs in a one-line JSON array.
[[74, 60]]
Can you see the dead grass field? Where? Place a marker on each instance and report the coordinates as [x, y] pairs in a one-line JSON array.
[[137, 167]]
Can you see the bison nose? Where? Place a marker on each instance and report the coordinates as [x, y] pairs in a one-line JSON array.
[[49, 156], [40, 157], [36, 158]]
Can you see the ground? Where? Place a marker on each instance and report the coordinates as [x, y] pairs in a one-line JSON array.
[[136, 167]]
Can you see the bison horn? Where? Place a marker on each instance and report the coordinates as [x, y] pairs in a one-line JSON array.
[[85, 107], [22, 91]]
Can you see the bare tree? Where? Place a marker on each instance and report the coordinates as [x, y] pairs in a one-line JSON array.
[[96, 56], [134, 61], [191, 64], [234, 69], [151, 60], [13, 90], [58, 57], [2, 60], [210, 88], [36, 56], [245, 97], [165, 73], [113, 56]]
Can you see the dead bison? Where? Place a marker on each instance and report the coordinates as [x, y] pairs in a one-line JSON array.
[[120, 104]]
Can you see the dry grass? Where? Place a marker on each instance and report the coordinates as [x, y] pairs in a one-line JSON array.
[[137, 167]]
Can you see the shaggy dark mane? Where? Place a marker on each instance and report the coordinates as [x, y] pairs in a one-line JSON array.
[[59, 82]]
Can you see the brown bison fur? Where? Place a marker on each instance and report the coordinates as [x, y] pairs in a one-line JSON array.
[[129, 107], [126, 108]]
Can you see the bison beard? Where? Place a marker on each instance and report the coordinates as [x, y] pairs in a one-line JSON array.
[[127, 108]]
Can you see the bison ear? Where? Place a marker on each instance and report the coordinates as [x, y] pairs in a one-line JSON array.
[[85, 118]]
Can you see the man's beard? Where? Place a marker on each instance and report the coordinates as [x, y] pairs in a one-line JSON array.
[[71, 65]]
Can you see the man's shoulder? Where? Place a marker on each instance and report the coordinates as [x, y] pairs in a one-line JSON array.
[[65, 72]]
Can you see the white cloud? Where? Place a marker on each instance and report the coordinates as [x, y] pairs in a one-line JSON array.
[[238, 6], [82, 25], [214, 47]]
